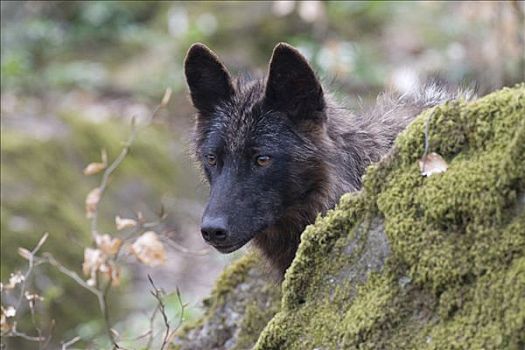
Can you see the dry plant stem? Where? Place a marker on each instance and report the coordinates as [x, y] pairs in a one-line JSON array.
[[158, 295], [102, 297], [50, 259], [70, 343], [149, 333], [15, 333], [181, 317], [116, 163], [109, 171], [100, 294], [104, 301], [37, 327], [32, 262], [151, 326], [30, 268]]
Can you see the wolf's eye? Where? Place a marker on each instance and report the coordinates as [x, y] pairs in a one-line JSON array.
[[263, 160], [211, 159]]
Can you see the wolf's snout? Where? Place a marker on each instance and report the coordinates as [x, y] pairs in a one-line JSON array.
[[214, 230]]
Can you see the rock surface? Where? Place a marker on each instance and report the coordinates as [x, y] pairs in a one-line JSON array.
[[410, 262]]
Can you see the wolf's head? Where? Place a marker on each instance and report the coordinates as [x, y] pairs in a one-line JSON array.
[[259, 145]]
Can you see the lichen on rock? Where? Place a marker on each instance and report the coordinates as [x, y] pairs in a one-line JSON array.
[[415, 262]]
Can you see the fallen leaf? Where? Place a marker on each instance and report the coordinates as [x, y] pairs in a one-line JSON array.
[[92, 200], [149, 249], [432, 164]]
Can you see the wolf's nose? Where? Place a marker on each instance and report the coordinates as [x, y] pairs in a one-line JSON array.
[[214, 230]]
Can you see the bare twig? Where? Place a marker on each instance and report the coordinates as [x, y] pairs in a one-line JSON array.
[[30, 256], [31, 259], [102, 296], [65, 345], [158, 294], [15, 333], [120, 158], [48, 258], [100, 292], [181, 316], [105, 177]]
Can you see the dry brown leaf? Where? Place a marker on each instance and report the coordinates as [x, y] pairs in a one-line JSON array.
[[96, 167], [108, 245], [149, 249], [92, 200], [111, 271], [4, 326], [32, 296], [93, 259], [432, 164], [123, 223], [32, 299], [24, 253]]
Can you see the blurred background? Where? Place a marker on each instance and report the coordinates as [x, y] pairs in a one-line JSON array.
[[73, 74]]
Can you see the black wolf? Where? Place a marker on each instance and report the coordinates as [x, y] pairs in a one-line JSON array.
[[277, 151]]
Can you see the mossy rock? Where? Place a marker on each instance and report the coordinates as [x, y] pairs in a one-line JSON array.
[[243, 301], [415, 262]]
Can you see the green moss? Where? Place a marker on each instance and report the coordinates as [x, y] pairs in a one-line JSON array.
[[413, 262], [235, 274], [455, 278], [242, 302]]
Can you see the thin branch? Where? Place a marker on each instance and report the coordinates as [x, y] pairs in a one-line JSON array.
[[31, 259], [102, 297], [50, 259], [120, 158], [65, 345], [30, 256], [157, 293], [181, 317], [109, 171], [14, 333]]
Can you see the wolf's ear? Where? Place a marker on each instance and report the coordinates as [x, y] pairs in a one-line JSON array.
[[292, 86], [207, 78]]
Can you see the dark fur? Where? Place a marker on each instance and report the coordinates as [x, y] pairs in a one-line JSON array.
[[319, 150]]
